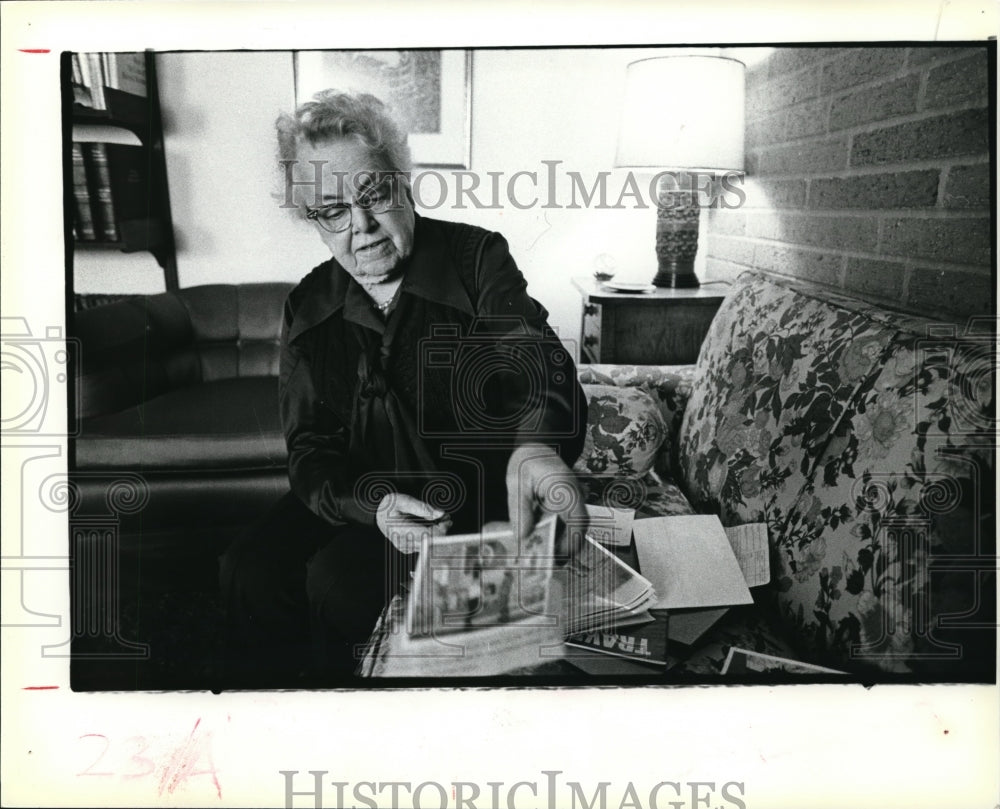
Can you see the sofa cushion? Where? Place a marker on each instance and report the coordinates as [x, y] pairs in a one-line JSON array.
[[229, 423], [668, 385], [624, 431], [864, 439], [774, 377], [236, 328], [888, 557]]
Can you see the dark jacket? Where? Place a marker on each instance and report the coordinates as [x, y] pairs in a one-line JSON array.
[[432, 401]]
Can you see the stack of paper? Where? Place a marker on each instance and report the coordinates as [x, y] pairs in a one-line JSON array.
[[749, 543], [487, 603], [602, 592]]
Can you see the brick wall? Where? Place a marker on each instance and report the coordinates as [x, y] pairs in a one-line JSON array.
[[867, 171]]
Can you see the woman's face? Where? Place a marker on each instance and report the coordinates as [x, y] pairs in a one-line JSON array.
[[373, 246]]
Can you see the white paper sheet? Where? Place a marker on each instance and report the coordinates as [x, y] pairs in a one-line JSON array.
[[749, 543], [610, 526], [690, 562]]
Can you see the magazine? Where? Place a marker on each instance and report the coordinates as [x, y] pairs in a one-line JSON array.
[[744, 661], [485, 604], [602, 592], [643, 643], [698, 569], [474, 581]]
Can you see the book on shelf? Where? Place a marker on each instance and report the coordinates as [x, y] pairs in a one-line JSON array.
[[128, 73], [119, 194], [93, 72], [94, 79], [135, 212], [485, 604], [82, 96], [106, 69], [85, 230], [102, 201], [76, 72], [80, 67]]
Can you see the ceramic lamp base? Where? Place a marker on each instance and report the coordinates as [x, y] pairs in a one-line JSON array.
[[677, 216], [676, 276]]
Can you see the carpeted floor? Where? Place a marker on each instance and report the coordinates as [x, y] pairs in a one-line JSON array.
[[182, 631], [168, 600]]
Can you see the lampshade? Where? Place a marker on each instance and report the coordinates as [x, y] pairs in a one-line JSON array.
[[683, 112]]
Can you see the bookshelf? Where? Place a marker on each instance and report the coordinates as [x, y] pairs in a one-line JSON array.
[[116, 191]]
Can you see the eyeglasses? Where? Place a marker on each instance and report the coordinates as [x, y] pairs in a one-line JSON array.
[[336, 217]]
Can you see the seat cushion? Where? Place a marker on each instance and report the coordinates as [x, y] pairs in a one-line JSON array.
[[228, 423], [236, 328], [129, 352]]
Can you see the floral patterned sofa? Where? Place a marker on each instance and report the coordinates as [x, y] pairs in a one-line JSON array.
[[863, 438]]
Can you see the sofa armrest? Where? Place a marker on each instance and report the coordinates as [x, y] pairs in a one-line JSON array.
[[143, 346], [125, 351], [670, 387]]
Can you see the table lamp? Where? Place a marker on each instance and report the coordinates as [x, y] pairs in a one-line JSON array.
[[682, 121]]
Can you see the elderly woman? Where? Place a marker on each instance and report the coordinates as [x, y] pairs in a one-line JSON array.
[[421, 391]]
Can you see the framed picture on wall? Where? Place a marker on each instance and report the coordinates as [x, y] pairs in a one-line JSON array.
[[428, 92]]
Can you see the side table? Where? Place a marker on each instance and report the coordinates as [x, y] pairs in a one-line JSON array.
[[662, 327]]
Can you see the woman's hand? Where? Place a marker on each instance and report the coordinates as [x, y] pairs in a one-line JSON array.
[[405, 520], [536, 475]]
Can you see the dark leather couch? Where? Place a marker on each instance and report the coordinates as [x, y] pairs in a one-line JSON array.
[[177, 399]]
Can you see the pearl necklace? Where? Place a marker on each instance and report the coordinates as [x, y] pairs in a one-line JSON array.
[[383, 307]]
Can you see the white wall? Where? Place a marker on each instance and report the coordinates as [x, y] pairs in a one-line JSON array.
[[219, 111], [218, 118], [528, 106]]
